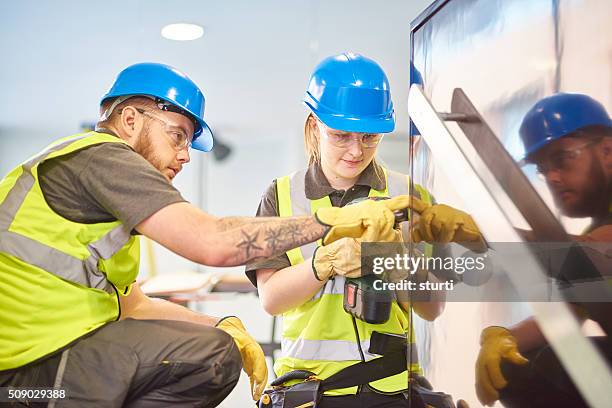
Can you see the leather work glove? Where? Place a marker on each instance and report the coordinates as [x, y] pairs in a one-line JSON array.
[[342, 257], [496, 343], [443, 224], [253, 359], [368, 220]]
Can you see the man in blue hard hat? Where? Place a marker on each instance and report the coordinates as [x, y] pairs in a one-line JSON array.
[[569, 138], [72, 316]]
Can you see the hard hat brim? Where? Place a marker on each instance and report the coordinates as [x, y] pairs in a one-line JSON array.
[[385, 124], [204, 141]]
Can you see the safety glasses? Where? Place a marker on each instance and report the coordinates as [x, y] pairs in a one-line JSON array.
[[177, 135], [561, 160], [343, 139]]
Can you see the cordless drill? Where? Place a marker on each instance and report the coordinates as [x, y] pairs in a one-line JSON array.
[[361, 300]]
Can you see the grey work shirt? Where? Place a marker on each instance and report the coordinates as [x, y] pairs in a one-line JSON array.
[[316, 186], [105, 183]]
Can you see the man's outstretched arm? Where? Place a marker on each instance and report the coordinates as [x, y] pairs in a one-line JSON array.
[[232, 241], [227, 241]]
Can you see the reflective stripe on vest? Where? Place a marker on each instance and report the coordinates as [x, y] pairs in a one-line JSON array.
[[304, 344], [83, 272], [329, 350]]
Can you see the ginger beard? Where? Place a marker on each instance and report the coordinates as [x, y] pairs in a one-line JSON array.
[[147, 148]]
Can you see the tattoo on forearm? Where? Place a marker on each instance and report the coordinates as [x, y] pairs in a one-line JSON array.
[[294, 233], [274, 238], [264, 237], [249, 243]]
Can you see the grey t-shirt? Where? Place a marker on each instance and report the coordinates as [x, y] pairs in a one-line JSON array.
[[105, 183]]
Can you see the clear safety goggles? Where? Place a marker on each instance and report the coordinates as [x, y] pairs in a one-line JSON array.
[[343, 139], [563, 160], [179, 138]]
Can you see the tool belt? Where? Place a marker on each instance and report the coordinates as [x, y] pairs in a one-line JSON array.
[[309, 391]]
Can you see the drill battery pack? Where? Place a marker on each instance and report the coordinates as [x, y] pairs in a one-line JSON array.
[[364, 302]]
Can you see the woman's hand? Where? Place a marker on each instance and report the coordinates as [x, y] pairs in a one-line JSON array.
[[342, 257]]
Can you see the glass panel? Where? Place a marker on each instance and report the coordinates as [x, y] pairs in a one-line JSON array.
[[506, 56]]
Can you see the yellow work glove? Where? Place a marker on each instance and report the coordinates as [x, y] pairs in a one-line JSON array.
[[342, 257], [496, 343], [368, 220], [443, 224], [253, 360]]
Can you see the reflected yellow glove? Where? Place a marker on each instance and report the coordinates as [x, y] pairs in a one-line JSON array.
[[369, 220], [342, 257], [496, 343], [443, 224], [253, 359]]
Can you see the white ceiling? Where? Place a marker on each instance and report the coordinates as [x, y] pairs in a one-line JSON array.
[[253, 61]]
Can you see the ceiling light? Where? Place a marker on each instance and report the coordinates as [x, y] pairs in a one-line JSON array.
[[182, 32]]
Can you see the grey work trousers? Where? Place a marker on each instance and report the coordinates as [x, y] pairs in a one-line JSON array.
[[138, 363]]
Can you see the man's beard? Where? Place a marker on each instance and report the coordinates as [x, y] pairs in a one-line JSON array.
[[144, 147], [595, 194]]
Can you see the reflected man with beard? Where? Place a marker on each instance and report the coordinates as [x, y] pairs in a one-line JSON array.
[[569, 138]]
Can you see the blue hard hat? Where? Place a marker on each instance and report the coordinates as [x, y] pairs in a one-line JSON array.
[[558, 115], [170, 85], [350, 92], [415, 78]]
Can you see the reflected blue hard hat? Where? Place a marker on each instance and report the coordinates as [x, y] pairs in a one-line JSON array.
[[558, 115], [350, 92], [415, 78], [172, 88]]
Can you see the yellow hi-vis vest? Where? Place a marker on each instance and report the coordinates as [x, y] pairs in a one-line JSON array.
[[59, 279], [319, 335]]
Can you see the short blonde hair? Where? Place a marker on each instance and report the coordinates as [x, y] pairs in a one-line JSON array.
[[312, 140]]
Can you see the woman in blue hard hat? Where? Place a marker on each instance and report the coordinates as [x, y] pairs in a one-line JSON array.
[[569, 138], [350, 110]]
